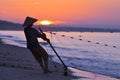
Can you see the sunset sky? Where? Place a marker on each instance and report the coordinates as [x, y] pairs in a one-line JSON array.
[[77, 12]]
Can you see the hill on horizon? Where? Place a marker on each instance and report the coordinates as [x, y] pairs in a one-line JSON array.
[[6, 25]]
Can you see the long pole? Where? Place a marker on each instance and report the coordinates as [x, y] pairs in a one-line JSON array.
[[65, 67]]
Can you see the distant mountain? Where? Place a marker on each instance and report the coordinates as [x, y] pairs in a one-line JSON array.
[[6, 25], [78, 29]]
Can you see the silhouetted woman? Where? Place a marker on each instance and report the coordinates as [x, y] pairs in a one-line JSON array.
[[38, 52]]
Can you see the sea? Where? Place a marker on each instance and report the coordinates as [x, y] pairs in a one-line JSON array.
[[97, 52]]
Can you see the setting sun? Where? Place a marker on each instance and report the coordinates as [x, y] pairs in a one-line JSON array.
[[45, 22]]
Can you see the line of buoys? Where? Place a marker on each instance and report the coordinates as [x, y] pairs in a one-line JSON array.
[[83, 40]]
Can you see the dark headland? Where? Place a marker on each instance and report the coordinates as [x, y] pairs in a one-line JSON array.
[[6, 25]]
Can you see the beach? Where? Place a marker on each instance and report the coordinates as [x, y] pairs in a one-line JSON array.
[[82, 42], [17, 63]]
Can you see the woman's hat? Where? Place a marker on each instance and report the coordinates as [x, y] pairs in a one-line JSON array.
[[29, 21]]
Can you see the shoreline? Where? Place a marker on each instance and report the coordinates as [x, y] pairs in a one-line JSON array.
[[17, 60], [24, 62]]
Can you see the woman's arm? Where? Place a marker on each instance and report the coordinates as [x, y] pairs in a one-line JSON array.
[[41, 35]]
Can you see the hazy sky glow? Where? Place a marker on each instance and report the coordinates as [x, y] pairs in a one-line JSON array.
[[67, 11]]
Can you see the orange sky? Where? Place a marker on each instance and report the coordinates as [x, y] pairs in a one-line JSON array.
[[68, 11]]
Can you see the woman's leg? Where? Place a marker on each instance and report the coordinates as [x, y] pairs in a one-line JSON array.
[[38, 57], [45, 57]]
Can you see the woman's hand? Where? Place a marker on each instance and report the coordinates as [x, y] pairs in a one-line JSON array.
[[48, 40], [45, 37]]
